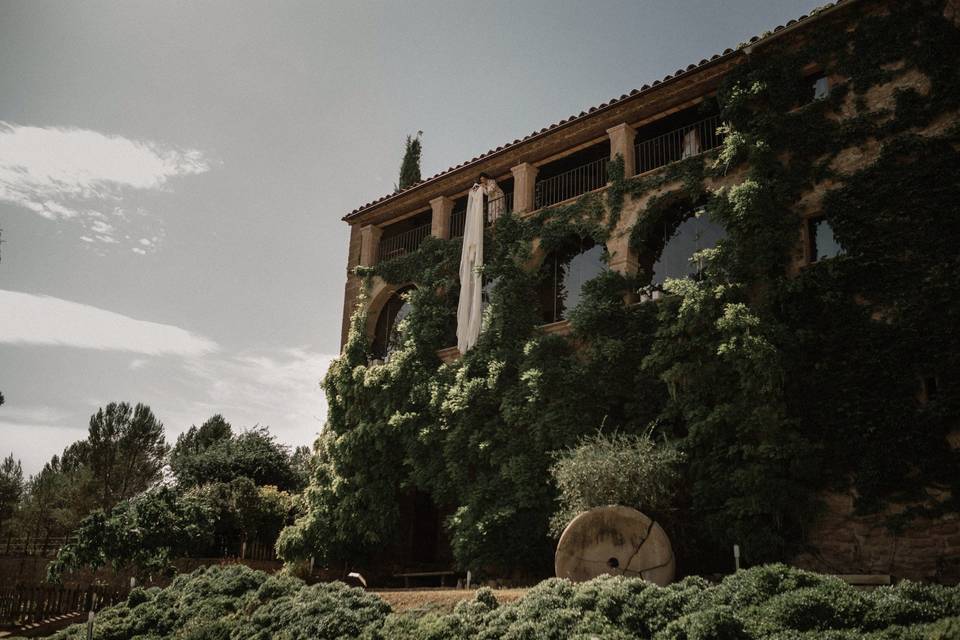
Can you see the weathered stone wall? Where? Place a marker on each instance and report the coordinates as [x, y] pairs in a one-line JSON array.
[[351, 289], [842, 542]]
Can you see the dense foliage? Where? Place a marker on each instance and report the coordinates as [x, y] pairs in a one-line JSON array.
[[122, 455], [601, 469], [214, 453], [775, 383], [221, 492], [151, 530], [772, 602]]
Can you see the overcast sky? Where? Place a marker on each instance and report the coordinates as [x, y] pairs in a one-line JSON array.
[[173, 174]]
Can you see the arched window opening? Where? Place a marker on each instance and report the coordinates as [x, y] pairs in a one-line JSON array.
[[563, 277], [387, 336], [694, 234]]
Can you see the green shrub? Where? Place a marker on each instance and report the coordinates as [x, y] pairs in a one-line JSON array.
[[763, 603], [603, 469], [718, 623]]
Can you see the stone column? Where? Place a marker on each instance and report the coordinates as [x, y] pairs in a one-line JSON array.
[[442, 207], [524, 181], [370, 244], [622, 258], [621, 141]]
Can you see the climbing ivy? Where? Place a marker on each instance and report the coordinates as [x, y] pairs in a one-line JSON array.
[[777, 383]]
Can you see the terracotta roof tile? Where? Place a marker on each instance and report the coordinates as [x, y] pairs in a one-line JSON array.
[[633, 92]]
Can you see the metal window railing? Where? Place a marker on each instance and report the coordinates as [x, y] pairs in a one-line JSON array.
[[678, 144], [402, 243], [501, 205], [458, 222], [570, 184]]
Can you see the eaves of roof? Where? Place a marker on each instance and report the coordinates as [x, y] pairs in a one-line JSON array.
[[743, 49]]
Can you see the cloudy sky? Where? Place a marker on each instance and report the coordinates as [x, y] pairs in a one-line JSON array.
[[173, 174]]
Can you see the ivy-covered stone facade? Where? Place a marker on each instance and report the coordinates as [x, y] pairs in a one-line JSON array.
[[816, 400]]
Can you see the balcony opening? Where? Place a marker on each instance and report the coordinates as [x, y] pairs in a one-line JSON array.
[[676, 137], [387, 335], [572, 176], [400, 238], [492, 208], [563, 275]]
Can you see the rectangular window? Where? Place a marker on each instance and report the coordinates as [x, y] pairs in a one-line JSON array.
[[821, 243]]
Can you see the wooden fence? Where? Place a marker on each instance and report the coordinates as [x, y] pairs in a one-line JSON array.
[[44, 547], [26, 604]]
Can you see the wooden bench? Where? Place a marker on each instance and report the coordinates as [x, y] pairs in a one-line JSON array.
[[424, 574], [865, 581]]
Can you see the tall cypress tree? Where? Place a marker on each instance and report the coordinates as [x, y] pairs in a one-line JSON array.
[[410, 167]]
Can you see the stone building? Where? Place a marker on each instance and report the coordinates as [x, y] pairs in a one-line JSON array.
[[649, 129]]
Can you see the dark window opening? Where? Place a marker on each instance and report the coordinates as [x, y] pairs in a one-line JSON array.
[[821, 243], [387, 335], [678, 136], [426, 528], [493, 207], [563, 277], [572, 175], [680, 245]]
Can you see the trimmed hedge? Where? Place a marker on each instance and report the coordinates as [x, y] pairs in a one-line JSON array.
[[773, 602]]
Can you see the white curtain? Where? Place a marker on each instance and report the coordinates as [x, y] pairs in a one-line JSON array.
[[469, 310], [691, 143]]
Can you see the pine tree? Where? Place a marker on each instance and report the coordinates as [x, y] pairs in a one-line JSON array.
[[410, 167]]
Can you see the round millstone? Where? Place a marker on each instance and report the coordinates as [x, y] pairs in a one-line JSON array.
[[618, 541]]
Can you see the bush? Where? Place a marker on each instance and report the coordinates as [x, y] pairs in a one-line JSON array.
[[604, 469], [763, 603]]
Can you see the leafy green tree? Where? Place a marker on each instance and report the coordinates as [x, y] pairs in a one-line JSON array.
[[410, 167], [213, 453], [125, 451], [150, 530], [55, 500], [197, 439], [12, 488], [146, 532]]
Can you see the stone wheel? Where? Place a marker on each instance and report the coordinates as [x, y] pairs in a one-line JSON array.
[[617, 541]]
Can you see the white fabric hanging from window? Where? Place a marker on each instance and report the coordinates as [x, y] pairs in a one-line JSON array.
[[691, 143], [496, 204], [470, 306]]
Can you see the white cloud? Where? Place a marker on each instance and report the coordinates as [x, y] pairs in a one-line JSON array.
[[43, 320], [68, 173], [33, 450], [34, 414], [279, 388]]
